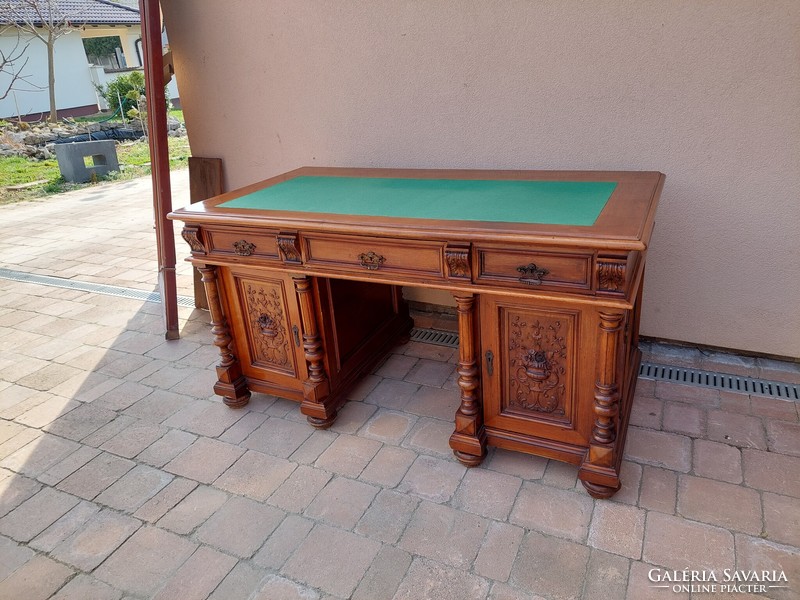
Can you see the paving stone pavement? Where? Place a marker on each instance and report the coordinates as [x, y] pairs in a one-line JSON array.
[[123, 476]]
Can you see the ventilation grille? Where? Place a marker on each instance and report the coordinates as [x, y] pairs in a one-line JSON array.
[[95, 288], [435, 336], [720, 381], [696, 377]]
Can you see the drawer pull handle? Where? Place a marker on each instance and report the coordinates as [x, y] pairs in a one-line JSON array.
[[243, 248], [371, 261], [531, 274], [296, 333], [537, 367], [489, 363]]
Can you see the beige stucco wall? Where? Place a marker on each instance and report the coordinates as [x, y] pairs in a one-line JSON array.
[[707, 92]]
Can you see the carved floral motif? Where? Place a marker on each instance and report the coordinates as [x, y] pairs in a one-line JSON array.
[[537, 355], [611, 276], [268, 325], [457, 259], [243, 248]]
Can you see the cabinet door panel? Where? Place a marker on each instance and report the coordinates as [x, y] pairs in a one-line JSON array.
[[264, 309], [532, 384]]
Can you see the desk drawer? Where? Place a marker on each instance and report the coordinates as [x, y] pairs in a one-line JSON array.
[[380, 255], [243, 242], [519, 267]]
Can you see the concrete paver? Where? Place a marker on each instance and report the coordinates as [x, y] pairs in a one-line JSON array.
[[123, 476]]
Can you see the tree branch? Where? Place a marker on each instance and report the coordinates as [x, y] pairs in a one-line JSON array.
[[9, 66]]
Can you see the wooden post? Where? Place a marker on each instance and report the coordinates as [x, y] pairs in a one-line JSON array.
[[316, 389], [601, 462], [468, 441], [159, 159], [205, 181], [231, 385]]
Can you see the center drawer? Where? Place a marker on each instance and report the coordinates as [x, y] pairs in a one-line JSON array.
[[533, 268], [260, 243], [370, 254]]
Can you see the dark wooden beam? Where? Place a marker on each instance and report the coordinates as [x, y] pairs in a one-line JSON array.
[[205, 181], [159, 159]]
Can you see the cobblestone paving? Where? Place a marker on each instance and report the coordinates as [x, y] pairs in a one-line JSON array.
[[122, 476]]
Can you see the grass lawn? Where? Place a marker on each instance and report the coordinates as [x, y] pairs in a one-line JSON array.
[[134, 160]]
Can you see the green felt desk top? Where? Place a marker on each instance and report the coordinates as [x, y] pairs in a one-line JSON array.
[[510, 201]]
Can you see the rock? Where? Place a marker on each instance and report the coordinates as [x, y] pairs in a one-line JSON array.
[[39, 137]]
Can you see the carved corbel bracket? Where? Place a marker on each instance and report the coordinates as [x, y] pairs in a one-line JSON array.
[[456, 259], [192, 237], [611, 274], [289, 248]]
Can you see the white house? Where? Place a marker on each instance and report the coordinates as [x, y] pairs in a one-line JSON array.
[[76, 78]]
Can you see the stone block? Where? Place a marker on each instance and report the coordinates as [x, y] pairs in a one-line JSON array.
[[312, 562], [240, 526], [387, 517], [80, 162], [150, 550], [499, 549], [444, 534], [429, 579]]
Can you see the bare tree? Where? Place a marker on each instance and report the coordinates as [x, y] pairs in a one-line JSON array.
[[46, 21], [10, 66]]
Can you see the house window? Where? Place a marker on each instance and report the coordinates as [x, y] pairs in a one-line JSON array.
[[105, 51]]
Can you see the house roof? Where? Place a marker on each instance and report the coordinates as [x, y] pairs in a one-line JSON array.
[[78, 12]]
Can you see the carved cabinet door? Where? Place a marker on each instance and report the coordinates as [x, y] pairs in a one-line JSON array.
[[533, 368], [264, 316]]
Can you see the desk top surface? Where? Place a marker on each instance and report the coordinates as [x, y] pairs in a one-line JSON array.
[[615, 208], [545, 202]]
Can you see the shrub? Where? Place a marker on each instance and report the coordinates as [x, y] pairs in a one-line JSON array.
[[129, 87], [119, 88]]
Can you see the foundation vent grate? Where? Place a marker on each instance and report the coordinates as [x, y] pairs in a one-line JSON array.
[[435, 336], [720, 381], [95, 288]]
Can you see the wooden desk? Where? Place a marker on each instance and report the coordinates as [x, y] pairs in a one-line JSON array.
[[302, 274]]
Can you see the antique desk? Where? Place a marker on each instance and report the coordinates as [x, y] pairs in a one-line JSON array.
[[302, 273]]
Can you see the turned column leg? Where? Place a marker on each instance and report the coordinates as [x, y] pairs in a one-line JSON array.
[[231, 384], [599, 473], [316, 388], [468, 441]]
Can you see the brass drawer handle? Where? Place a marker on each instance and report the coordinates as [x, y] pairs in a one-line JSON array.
[[243, 248], [531, 274], [371, 261]]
